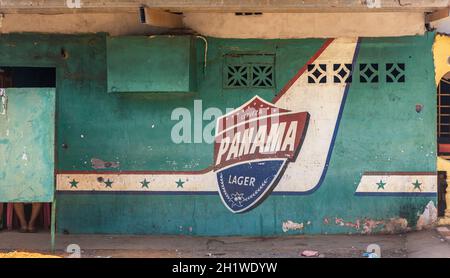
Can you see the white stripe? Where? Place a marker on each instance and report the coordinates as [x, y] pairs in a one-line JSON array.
[[398, 184]]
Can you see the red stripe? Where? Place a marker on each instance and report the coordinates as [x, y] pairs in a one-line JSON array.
[[203, 171], [399, 173], [302, 70], [444, 148]]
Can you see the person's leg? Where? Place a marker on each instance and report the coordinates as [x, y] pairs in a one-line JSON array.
[[36, 209], [20, 212]]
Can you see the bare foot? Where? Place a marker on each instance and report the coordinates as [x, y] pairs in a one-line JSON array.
[[31, 228]]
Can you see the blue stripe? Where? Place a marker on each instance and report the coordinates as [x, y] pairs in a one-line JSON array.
[[211, 193]]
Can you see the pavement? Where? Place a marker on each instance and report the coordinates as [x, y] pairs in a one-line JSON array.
[[444, 231], [431, 243]]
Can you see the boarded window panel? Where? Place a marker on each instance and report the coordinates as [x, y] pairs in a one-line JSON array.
[[27, 146], [151, 64]]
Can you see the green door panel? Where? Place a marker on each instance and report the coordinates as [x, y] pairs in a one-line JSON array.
[[27, 133]]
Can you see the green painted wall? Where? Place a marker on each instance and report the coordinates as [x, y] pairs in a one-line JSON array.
[[380, 131]]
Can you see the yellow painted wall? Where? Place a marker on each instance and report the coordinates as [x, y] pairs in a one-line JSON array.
[[441, 53], [443, 165]]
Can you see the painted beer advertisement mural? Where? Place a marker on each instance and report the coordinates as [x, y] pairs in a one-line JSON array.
[[253, 146], [280, 136]]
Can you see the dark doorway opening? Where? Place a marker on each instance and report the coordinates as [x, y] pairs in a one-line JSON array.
[[442, 189], [27, 77]]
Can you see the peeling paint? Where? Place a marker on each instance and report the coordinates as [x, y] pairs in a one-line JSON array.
[[292, 226], [341, 222], [373, 4], [396, 225], [100, 164], [428, 217], [368, 226]]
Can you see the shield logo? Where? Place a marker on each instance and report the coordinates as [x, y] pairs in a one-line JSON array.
[[253, 145]]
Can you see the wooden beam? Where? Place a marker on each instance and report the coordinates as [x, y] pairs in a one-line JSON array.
[[161, 18], [437, 15], [71, 6]]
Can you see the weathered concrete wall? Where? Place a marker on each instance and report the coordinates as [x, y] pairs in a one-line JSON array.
[[306, 25], [366, 162], [223, 5], [223, 25], [77, 23]]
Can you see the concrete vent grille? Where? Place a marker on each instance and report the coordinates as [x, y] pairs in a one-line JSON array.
[[248, 14], [249, 71], [367, 73]]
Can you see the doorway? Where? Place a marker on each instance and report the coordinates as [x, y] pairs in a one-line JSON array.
[[27, 137], [443, 137]]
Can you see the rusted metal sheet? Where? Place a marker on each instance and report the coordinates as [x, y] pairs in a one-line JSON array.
[[27, 131]]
